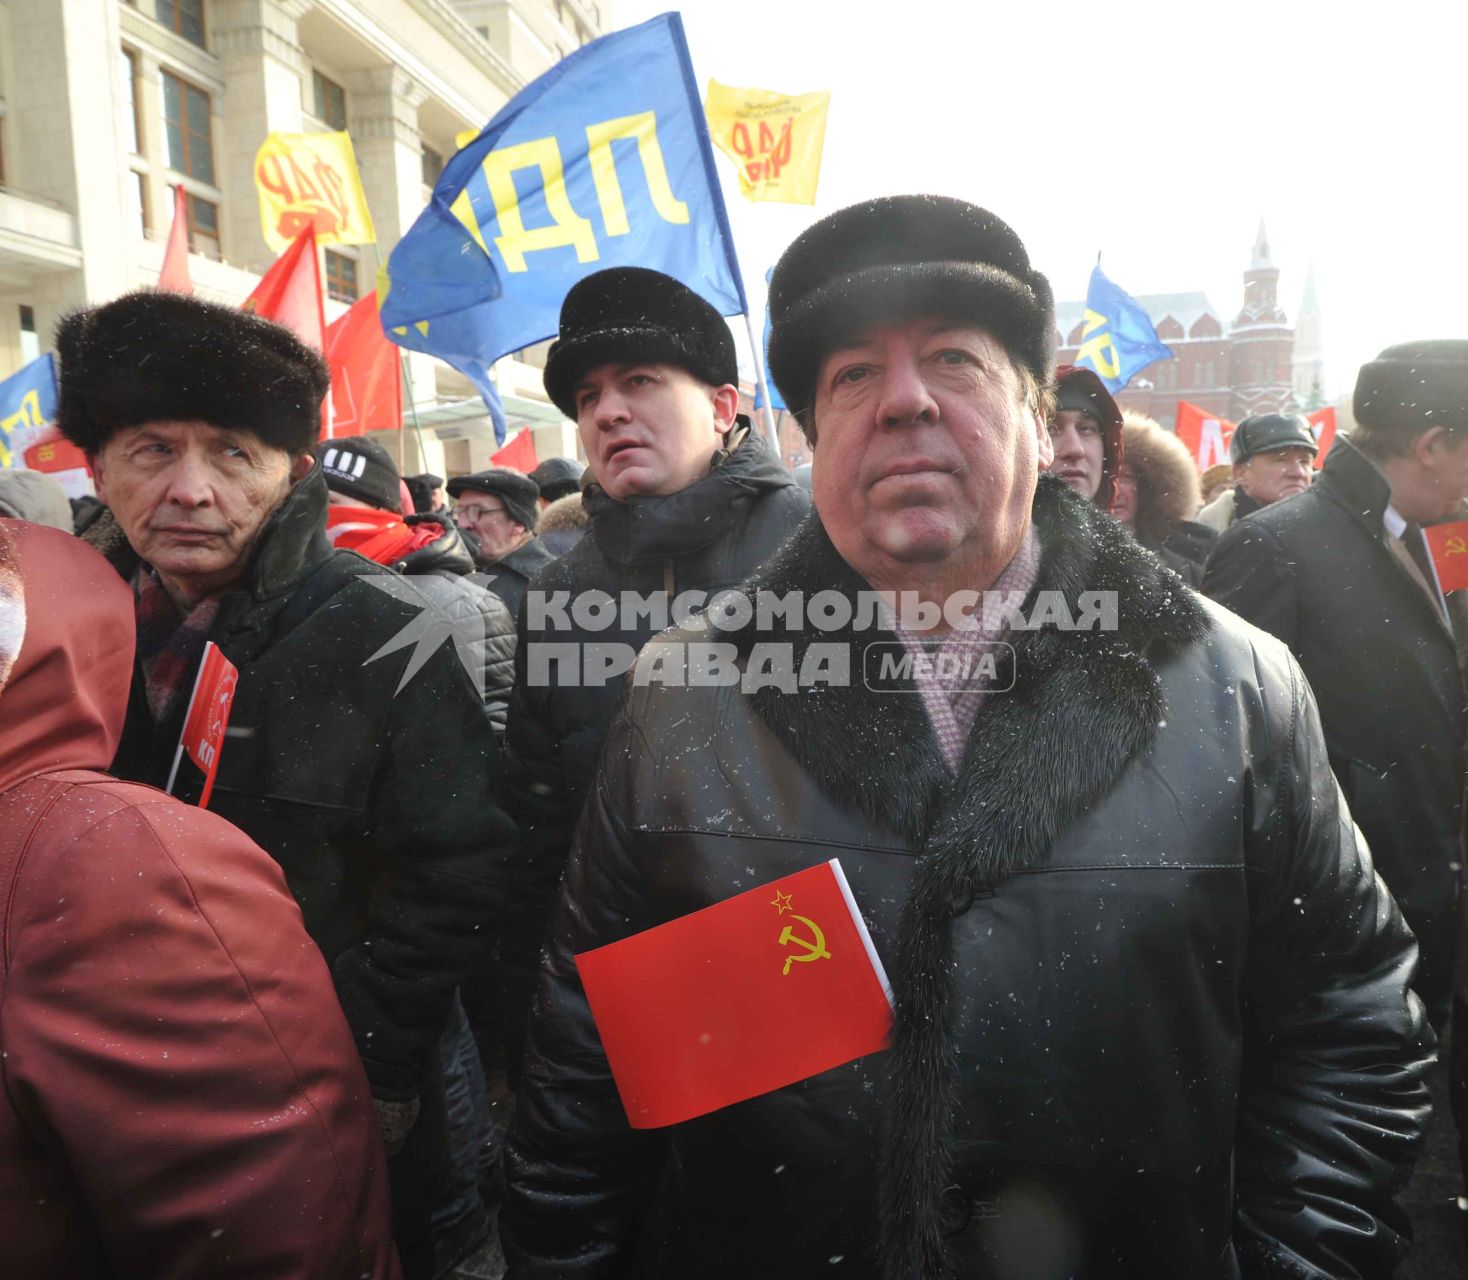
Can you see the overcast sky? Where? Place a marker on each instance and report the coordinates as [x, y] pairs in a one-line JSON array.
[[1155, 133]]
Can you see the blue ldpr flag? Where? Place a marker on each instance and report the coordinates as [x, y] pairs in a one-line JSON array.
[[776, 400], [27, 399], [1117, 339], [604, 161]]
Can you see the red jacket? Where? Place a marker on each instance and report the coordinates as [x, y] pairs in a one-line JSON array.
[[181, 1093]]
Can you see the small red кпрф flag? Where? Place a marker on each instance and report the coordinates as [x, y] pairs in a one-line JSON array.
[[290, 292], [751, 994], [1323, 421], [1449, 546], [519, 455], [208, 714], [1206, 434], [366, 378]]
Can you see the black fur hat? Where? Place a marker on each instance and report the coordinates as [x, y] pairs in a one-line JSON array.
[[1413, 386], [903, 256], [155, 356], [634, 314]]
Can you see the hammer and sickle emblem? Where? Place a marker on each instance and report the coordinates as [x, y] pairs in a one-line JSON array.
[[1457, 547], [814, 950]]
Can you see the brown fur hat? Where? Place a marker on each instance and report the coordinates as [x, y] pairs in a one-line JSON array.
[[1167, 478]]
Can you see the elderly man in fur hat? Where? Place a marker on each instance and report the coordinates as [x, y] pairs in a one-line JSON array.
[[1152, 1014], [199, 422]]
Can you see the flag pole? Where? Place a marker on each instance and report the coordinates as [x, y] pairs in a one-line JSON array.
[[407, 376], [764, 390]]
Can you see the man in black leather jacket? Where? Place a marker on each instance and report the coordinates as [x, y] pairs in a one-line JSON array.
[[1152, 1015]]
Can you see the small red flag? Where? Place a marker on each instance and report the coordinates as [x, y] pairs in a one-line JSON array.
[[1449, 546], [52, 451], [366, 384], [519, 455], [1323, 423], [751, 994], [1206, 434], [208, 715], [174, 275], [290, 292]]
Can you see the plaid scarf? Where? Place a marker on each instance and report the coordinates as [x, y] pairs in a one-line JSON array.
[[169, 646], [953, 705]]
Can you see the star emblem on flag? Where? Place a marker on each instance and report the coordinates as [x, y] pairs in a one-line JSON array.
[[781, 902]]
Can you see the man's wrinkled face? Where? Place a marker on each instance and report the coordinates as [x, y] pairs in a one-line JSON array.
[[1079, 451], [650, 429], [192, 498], [926, 447], [484, 515], [1280, 473]]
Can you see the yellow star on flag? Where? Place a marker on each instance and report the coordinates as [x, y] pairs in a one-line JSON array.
[[781, 902]]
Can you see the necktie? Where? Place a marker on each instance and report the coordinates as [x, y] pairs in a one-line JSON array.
[[1416, 543]]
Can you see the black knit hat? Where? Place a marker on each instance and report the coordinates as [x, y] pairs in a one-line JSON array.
[[898, 257], [518, 493], [1269, 433], [155, 356], [1414, 385], [361, 469], [627, 314]]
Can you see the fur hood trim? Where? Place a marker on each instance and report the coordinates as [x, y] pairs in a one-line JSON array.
[[563, 513], [1167, 478]]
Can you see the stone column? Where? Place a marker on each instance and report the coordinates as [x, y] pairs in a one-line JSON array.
[[265, 73]]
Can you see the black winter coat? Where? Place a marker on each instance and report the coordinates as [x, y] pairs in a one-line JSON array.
[[1317, 570], [709, 537], [481, 621], [1152, 1009], [389, 833], [508, 578]]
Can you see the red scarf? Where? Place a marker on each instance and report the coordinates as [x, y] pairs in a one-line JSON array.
[[381, 536]]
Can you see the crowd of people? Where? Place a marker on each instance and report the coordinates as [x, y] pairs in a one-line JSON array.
[[1168, 897]]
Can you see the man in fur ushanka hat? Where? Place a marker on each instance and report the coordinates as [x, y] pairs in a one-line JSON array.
[[199, 422], [1152, 1014], [1151, 1000]]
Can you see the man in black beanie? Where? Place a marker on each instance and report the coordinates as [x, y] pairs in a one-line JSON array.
[[684, 501], [200, 423], [1143, 972]]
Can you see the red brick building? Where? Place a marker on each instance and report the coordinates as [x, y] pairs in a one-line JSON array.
[[1230, 369]]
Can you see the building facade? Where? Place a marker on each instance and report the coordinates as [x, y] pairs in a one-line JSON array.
[[107, 105], [1232, 369]]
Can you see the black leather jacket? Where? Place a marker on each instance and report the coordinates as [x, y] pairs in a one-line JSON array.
[[1152, 1009]]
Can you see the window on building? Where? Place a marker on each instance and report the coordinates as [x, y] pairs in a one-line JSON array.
[[432, 166], [30, 340], [137, 213], [341, 276], [186, 121], [330, 101], [132, 131], [203, 220], [184, 16]]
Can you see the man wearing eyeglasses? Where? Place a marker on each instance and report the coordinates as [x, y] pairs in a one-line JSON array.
[[496, 509]]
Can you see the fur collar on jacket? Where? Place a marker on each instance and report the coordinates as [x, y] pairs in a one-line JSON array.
[[1084, 705]]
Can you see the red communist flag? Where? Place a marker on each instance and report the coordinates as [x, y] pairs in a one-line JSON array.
[[1322, 421], [1449, 546], [519, 454], [366, 385], [52, 451], [174, 275], [1206, 434], [208, 716], [748, 995], [290, 292]]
